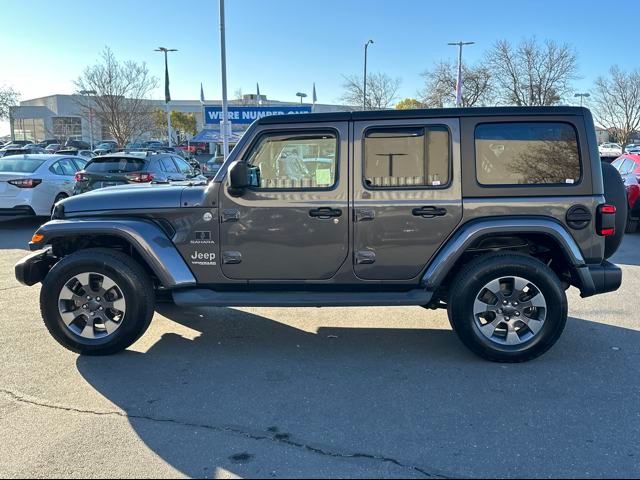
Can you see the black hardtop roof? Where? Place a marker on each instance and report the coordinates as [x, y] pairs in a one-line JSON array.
[[421, 113]]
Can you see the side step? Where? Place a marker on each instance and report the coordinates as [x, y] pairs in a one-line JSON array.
[[200, 297]]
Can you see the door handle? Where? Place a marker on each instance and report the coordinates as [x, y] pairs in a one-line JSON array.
[[429, 212], [325, 212]]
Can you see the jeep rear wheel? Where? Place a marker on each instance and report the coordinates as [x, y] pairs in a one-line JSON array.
[[97, 302], [508, 307]]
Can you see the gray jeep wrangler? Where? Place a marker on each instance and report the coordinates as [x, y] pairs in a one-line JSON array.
[[491, 213]]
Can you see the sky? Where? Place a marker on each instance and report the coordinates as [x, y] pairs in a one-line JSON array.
[[287, 45]]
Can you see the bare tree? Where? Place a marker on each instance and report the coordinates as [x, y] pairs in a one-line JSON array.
[[382, 90], [8, 99], [616, 103], [122, 91], [532, 73], [440, 86]]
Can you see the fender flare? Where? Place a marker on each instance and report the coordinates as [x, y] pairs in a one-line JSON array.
[[148, 239], [447, 257]]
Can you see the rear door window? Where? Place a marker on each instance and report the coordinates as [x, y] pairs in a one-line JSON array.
[[64, 167], [115, 165], [527, 154]]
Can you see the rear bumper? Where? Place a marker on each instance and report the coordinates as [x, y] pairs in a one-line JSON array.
[[17, 211], [597, 279], [33, 268]]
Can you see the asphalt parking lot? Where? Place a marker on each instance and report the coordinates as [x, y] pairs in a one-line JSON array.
[[387, 392]]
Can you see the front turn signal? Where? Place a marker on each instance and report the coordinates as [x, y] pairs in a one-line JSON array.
[[37, 238]]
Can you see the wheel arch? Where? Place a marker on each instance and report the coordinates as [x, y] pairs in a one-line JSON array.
[[146, 242], [534, 230]]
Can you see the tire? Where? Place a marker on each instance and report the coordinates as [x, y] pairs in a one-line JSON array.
[[469, 286], [128, 319], [631, 226], [61, 196], [615, 194]]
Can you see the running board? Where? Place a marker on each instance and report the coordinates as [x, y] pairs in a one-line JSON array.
[[200, 297]]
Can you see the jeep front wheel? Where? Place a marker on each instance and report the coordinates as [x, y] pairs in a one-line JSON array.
[[97, 301], [508, 307]]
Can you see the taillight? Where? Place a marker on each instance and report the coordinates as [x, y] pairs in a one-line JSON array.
[[140, 177], [25, 183], [606, 222], [81, 177]]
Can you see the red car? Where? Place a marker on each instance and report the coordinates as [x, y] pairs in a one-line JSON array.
[[629, 167], [197, 148]]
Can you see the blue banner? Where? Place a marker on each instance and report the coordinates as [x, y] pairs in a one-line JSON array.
[[247, 115]]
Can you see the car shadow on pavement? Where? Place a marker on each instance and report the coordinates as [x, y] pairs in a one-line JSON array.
[[15, 234], [249, 393]]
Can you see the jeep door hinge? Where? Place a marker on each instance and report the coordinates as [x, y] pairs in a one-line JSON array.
[[364, 214], [230, 215], [365, 257]]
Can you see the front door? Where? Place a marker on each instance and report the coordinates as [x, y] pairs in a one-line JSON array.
[[295, 224], [407, 194]]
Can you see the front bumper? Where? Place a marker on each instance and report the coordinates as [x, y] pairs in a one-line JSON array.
[[597, 279], [33, 268]]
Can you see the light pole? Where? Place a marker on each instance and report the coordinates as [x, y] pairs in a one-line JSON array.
[[302, 96], [459, 81], [364, 89], [167, 94], [88, 93], [224, 124], [582, 96]]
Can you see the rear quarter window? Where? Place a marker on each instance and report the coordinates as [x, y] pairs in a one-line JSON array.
[[544, 153]]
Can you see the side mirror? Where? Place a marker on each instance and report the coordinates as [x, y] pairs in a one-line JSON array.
[[238, 175]]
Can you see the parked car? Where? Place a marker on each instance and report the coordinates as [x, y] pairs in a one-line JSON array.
[[153, 144], [132, 168], [87, 154], [610, 150], [105, 147], [5, 152], [210, 169], [628, 165], [50, 141], [491, 213], [53, 147], [22, 143], [77, 144], [30, 185], [196, 148]]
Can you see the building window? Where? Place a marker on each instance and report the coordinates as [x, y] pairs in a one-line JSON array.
[[406, 157], [31, 129], [67, 127], [527, 154]]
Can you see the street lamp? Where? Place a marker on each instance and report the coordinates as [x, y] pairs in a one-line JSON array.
[[167, 94], [364, 89], [302, 96], [582, 96], [459, 81], [88, 93]]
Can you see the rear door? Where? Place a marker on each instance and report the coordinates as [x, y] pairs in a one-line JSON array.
[[407, 194]]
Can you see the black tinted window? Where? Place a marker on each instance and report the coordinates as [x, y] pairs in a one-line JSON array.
[[115, 165], [406, 157], [527, 153]]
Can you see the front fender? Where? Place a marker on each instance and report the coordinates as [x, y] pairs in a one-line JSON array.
[[148, 239], [447, 257]]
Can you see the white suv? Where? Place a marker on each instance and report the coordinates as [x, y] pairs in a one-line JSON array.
[[610, 150]]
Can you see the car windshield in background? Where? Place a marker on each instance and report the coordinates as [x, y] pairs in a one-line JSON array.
[[20, 164], [114, 165]]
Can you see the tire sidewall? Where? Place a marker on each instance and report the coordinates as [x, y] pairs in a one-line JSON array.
[[64, 271], [469, 286]]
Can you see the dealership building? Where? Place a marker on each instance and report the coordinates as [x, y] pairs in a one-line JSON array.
[[63, 117]]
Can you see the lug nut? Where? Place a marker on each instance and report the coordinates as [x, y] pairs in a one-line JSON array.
[[88, 297], [93, 314], [500, 311], [85, 306], [101, 308], [515, 304], [504, 302], [98, 299], [517, 314], [507, 318]]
